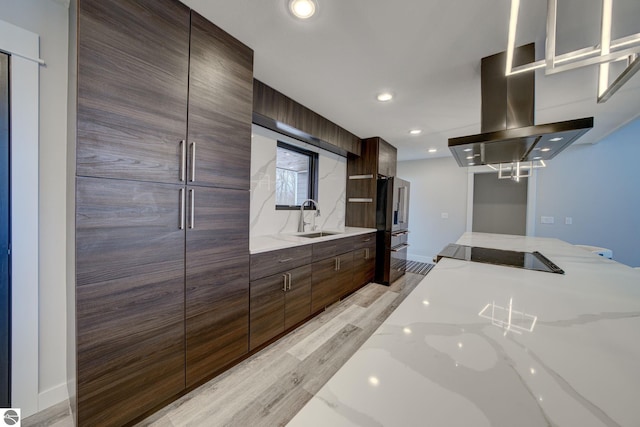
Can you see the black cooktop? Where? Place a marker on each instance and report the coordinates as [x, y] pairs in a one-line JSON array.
[[527, 260]]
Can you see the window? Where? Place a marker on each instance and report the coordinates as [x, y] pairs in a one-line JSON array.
[[296, 176]]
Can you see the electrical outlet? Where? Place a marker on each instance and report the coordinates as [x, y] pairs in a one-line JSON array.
[[568, 220], [444, 215], [546, 220]]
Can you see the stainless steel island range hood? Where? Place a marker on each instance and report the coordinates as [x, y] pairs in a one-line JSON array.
[[508, 133]]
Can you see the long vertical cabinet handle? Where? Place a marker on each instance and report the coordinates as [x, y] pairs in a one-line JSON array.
[[183, 160], [181, 215], [193, 161], [192, 207], [337, 267], [289, 288], [284, 282], [366, 253]]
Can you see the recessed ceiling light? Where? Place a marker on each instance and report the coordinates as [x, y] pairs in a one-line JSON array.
[[546, 149], [476, 155], [415, 131], [556, 139], [469, 157], [433, 150], [302, 9], [384, 97], [471, 164], [466, 150], [537, 158]]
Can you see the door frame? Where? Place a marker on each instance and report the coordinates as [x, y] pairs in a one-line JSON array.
[[5, 218], [531, 198], [24, 107]]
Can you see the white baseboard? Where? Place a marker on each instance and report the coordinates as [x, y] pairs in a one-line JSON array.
[[420, 258], [52, 396]]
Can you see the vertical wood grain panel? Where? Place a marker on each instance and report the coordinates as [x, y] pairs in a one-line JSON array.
[[298, 298], [132, 88], [217, 279], [217, 317], [220, 106], [129, 298], [267, 309]]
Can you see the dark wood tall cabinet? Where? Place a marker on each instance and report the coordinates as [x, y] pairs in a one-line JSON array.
[[378, 158], [163, 135]]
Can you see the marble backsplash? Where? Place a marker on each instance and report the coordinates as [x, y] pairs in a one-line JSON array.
[[332, 175]]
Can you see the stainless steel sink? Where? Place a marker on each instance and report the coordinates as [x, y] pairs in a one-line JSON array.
[[317, 234]]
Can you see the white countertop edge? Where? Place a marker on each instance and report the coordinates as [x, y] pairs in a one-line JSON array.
[[259, 244]]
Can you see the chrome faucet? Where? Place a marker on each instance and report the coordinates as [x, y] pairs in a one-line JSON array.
[[301, 222]]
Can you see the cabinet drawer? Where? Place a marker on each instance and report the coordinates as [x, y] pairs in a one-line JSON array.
[[364, 241], [328, 249], [272, 262]]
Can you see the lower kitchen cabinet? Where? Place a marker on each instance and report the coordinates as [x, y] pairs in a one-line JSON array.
[[364, 266], [278, 302], [331, 279], [364, 260]]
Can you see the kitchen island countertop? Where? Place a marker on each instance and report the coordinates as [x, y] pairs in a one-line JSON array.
[[486, 345]]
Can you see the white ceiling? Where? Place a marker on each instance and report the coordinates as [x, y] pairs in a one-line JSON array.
[[427, 52]]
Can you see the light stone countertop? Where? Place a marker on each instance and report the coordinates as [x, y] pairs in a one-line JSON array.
[[447, 357], [273, 242]]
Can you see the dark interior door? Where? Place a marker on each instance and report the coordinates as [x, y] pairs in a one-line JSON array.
[[5, 307]]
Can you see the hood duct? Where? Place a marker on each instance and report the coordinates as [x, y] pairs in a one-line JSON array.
[[508, 106]]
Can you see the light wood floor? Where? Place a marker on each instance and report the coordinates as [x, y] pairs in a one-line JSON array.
[[271, 386]]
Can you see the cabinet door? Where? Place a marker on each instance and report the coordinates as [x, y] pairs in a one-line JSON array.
[[387, 156], [217, 322], [267, 309], [217, 309], [129, 298], [344, 277], [364, 266], [298, 296], [323, 274], [217, 223], [220, 107], [133, 64]]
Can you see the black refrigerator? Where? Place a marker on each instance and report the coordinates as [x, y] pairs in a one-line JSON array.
[[392, 222]]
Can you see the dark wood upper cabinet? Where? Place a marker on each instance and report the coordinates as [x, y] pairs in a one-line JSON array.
[[378, 158], [220, 107], [133, 69], [387, 158], [272, 108], [129, 298]]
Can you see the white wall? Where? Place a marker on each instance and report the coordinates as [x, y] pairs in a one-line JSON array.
[[598, 187], [332, 178], [49, 19], [595, 185], [437, 186]]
